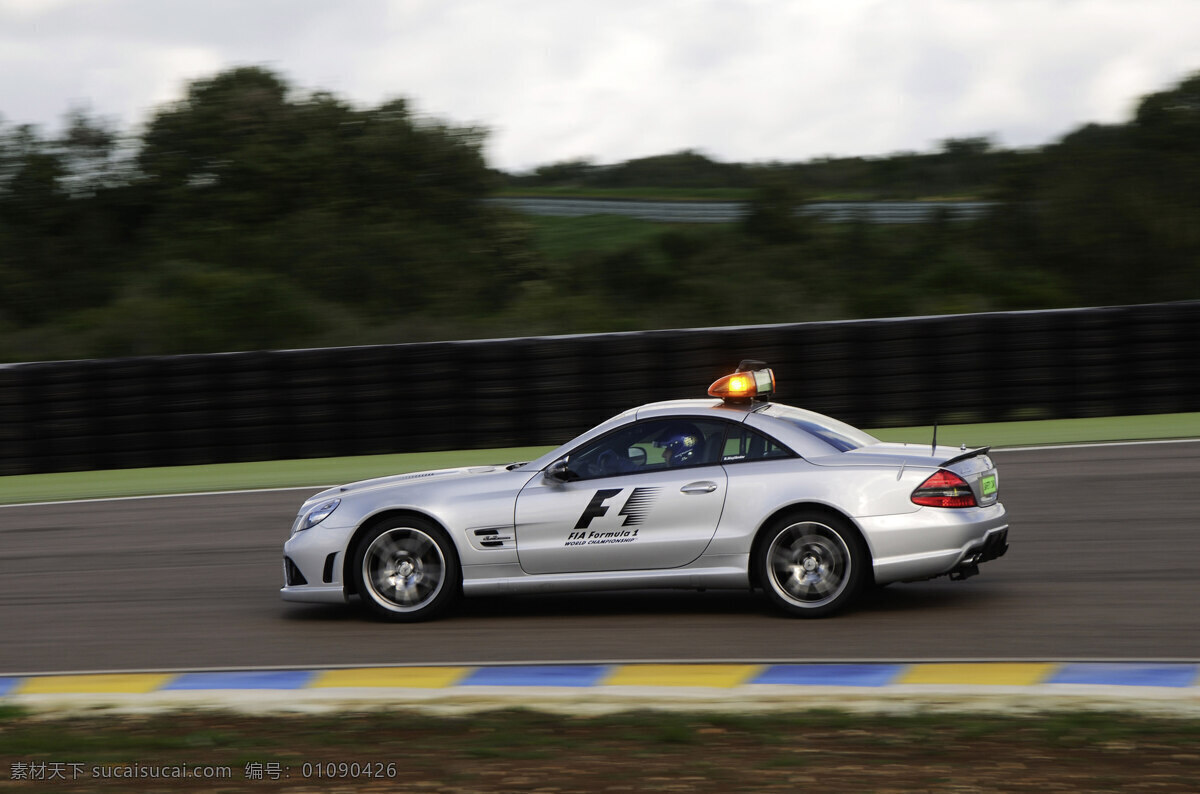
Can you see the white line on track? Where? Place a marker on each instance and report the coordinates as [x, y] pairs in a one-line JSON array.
[[319, 667], [315, 488], [1090, 444]]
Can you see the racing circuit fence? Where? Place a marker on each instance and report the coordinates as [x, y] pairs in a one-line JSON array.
[[178, 410]]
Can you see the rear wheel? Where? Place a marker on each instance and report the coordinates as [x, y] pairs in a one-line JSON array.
[[406, 570], [811, 565]]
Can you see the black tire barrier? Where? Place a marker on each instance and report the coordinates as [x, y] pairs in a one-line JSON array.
[[273, 405]]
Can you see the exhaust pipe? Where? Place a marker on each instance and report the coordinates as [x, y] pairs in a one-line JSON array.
[[964, 572]]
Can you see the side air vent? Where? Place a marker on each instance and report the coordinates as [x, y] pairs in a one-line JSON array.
[[494, 538], [418, 476]]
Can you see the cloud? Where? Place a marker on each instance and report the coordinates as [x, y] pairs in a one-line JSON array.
[[745, 80]]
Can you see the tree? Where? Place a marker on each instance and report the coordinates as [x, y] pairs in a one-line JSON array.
[[1170, 120], [243, 148], [771, 216], [1117, 205], [53, 251]]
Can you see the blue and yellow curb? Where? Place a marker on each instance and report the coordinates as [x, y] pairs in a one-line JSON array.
[[866, 676]]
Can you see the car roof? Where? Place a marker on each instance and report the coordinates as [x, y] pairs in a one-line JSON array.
[[794, 437], [734, 411]]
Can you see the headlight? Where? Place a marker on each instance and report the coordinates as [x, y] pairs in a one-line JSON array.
[[319, 513]]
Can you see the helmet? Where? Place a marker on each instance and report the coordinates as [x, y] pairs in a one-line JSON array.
[[680, 443]]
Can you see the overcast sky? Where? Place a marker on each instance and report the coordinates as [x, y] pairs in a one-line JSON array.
[[611, 80]]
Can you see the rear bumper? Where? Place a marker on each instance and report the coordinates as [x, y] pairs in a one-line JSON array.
[[993, 546], [935, 542]]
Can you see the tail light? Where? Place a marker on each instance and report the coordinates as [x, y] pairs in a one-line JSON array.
[[944, 489]]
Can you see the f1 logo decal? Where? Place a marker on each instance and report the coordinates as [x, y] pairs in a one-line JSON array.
[[596, 507], [634, 510]]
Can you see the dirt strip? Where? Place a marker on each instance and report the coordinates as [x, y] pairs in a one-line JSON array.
[[631, 751]]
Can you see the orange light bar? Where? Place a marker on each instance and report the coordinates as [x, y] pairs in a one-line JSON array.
[[743, 386]]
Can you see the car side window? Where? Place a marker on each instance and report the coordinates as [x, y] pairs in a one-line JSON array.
[[651, 445], [744, 444]]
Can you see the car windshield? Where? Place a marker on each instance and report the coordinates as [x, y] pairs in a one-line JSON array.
[[839, 435]]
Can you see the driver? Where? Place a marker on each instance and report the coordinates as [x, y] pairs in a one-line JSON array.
[[680, 444]]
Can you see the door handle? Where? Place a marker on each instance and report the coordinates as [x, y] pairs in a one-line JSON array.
[[699, 487]]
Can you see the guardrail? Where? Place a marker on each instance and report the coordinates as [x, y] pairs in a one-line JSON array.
[[164, 411], [732, 211]]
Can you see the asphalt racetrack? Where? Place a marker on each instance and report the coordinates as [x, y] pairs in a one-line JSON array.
[[1104, 564]]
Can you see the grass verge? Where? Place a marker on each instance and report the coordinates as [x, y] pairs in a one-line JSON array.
[[238, 476], [570, 239], [632, 193], [1052, 431], [329, 471]]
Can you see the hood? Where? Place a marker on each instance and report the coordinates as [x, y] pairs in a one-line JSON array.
[[414, 478]]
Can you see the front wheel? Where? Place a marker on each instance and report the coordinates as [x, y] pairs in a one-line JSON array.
[[406, 570], [811, 565]]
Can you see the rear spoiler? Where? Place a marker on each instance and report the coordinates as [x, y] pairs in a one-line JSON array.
[[970, 453]]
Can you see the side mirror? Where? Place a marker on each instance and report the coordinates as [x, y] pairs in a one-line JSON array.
[[558, 471], [637, 456]]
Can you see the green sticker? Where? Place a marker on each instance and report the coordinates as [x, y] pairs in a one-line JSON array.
[[988, 484]]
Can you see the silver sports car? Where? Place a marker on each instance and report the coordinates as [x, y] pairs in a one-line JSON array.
[[734, 491]]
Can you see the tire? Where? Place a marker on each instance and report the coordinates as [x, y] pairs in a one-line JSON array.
[[811, 564], [406, 570]]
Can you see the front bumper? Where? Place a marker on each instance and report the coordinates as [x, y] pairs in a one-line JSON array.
[[314, 595], [313, 561]]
